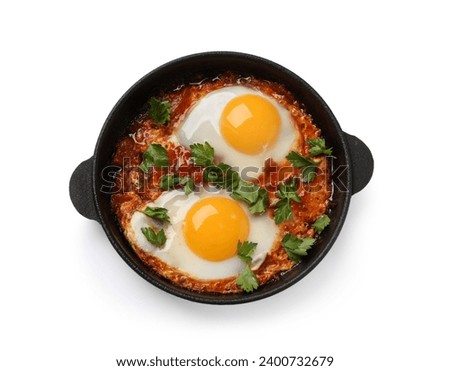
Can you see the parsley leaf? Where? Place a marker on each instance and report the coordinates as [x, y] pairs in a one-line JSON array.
[[159, 213], [231, 177], [283, 211], [245, 191], [202, 154], [296, 247], [170, 181], [247, 280], [287, 192], [297, 160], [156, 155], [308, 174], [262, 202], [321, 222], [307, 165], [155, 238], [214, 175], [221, 175], [245, 250], [317, 147], [188, 185], [159, 111], [254, 196]]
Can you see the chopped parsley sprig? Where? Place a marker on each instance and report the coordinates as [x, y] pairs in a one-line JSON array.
[[222, 175], [155, 155], [261, 204], [156, 238], [318, 147], [159, 111], [171, 181], [202, 154], [159, 213], [321, 223], [247, 280], [308, 165], [296, 247], [286, 193], [253, 195], [245, 250]]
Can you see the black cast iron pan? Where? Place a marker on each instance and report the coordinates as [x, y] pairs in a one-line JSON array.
[[90, 182]]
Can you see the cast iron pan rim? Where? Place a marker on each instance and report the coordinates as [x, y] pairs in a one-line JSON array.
[[208, 298]]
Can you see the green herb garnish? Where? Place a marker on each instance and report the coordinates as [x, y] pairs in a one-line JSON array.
[[221, 175], [296, 247], [261, 203], [155, 155], [156, 238], [171, 181], [159, 111], [188, 184], [318, 147], [247, 280], [202, 154], [254, 196], [283, 211], [159, 213], [308, 166], [297, 160], [287, 192], [321, 223], [245, 191], [231, 177], [245, 250]]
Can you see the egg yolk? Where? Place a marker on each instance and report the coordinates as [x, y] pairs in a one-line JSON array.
[[250, 124], [213, 226]]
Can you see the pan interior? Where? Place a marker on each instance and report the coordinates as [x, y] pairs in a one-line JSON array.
[[195, 68]]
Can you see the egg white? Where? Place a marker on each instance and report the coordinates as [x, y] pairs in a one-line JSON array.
[[202, 124], [177, 254]]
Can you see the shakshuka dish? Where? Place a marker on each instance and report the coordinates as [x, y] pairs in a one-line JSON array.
[[224, 183]]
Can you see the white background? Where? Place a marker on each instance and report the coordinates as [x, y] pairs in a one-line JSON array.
[[378, 301]]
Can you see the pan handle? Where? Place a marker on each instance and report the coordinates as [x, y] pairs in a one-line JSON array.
[[362, 162], [82, 191]]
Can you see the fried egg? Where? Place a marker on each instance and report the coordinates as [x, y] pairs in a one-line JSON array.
[[203, 233], [243, 125]]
